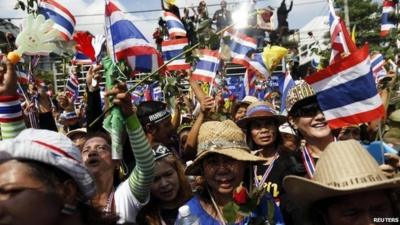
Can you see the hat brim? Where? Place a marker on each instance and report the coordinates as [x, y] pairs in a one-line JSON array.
[[306, 191], [75, 132], [234, 153], [243, 123]]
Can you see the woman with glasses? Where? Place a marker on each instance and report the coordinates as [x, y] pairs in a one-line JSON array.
[[306, 117], [126, 199]]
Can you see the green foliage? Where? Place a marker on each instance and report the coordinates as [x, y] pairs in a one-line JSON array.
[[366, 16]]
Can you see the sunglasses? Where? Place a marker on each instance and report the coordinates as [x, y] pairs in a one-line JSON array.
[[308, 110]]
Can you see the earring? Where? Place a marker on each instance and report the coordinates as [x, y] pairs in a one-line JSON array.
[[68, 209]]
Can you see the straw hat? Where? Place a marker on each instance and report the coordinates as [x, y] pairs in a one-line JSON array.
[[249, 99], [395, 116], [224, 138], [299, 94], [81, 131], [260, 110], [344, 168]]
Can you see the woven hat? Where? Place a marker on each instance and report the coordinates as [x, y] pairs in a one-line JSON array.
[[344, 168], [299, 94], [224, 138], [260, 110], [51, 148]]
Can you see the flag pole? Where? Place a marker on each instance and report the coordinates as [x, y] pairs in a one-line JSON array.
[[161, 68]]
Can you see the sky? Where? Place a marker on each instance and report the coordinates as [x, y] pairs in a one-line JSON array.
[[88, 18]]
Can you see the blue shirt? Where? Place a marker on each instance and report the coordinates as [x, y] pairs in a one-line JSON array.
[[260, 213]]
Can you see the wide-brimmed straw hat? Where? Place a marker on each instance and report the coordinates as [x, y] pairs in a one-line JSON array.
[[224, 138], [51, 148], [344, 168], [301, 94], [260, 110]]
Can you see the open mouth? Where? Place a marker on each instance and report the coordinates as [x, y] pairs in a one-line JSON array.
[[93, 162]]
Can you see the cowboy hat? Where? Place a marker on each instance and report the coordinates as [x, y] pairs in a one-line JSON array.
[[260, 110], [344, 168], [224, 138]]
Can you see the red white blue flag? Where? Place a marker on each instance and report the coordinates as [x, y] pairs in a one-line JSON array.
[[63, 20], [80, 58], [288, 83], [174, 25], [249, 83], [387, 22], [257, 65], [378, 70], [240, 46], [346, 91], [125, 41], [207, 67], [171, 49], [340, 38], [72, 85]]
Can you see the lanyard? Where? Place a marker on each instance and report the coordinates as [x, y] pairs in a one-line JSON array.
[[309, 161], [266, 173], [110, 201]]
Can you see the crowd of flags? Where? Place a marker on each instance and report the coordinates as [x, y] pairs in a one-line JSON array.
[[350, 79]]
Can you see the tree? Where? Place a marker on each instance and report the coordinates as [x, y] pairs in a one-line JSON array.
[[365, 15]]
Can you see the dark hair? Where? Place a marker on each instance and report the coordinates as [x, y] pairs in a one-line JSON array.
[[53, 177], [149, 214], [236, 106], [249, 139], [145, 109], [99, 134]]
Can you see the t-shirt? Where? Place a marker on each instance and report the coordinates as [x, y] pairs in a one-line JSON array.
[[260, 213], [288, 163], [126, 204]]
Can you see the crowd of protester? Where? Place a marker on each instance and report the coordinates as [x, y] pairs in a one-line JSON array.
[[57, 167]]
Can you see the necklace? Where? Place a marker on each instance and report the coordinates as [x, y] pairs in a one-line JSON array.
[[108, 208]]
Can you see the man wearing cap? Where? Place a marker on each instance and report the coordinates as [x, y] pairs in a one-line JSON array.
[[348, 188], [156, 122], [239, 109]]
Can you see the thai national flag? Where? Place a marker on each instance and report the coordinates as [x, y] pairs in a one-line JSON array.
[[207, 67], [340, 38], [23, 77], [72, 86], [80, 58], [137, 95], [346, 91], [156, 91], [125, 41], [240, 45], [288, 83], [249, 83], [257, 65], [174, 25], [63, 20], [172, 48], [387, 23], [377, 68]]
